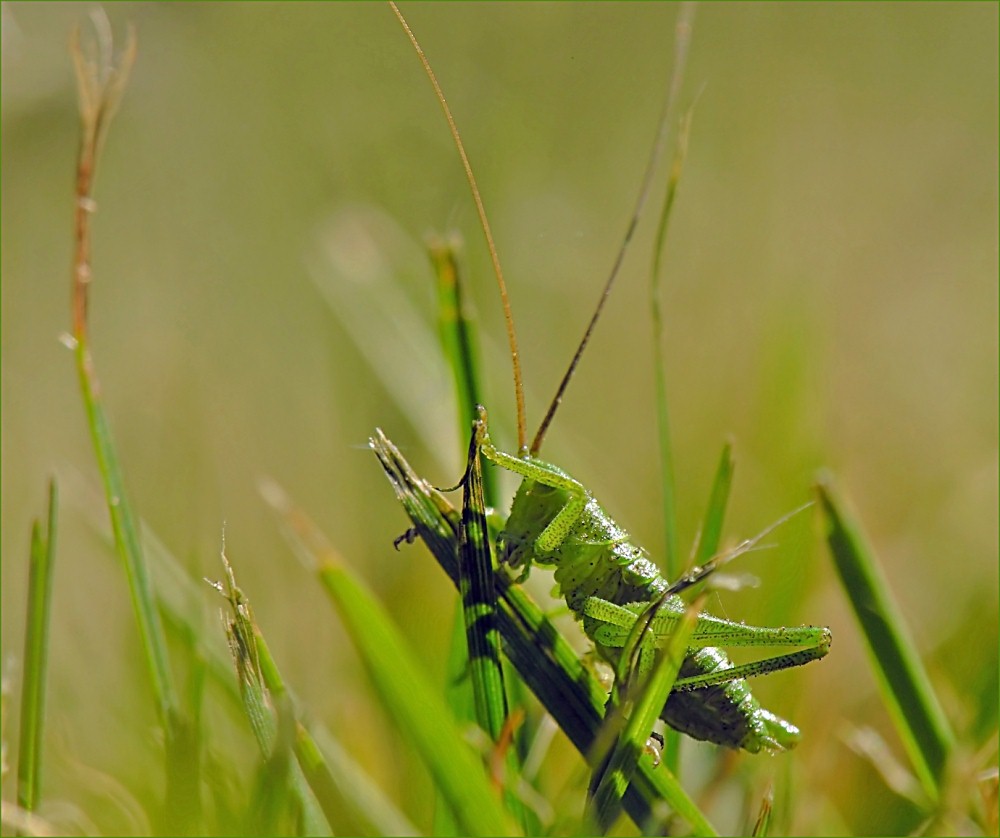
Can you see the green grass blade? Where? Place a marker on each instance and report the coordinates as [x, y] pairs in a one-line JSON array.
[[668, 485], [672, 561], [711, 529], [402, 687], [479, 608], [418, 710], [901, 677], [461, 349], [631, 744], [542, 657], [101, 83], [479, 604], [36, 651]]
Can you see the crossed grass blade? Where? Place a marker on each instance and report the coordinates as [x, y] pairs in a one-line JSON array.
[[540, 654]]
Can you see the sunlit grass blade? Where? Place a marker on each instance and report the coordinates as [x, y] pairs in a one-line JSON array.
[[36, 652], [902, 680], [402, 687], [711, 528], [545, 661], [631, 744]]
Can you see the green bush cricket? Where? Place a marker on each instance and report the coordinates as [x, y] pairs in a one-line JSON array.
[[607, 580]]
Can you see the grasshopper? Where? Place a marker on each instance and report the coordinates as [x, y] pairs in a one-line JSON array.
[[607, 580]]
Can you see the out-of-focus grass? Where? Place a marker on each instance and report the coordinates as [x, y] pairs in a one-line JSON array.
[[831, 299]]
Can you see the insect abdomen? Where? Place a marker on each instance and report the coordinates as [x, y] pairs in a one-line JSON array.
[[726, 714]]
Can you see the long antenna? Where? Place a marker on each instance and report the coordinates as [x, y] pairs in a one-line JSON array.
[[682, 39], [522, 432]]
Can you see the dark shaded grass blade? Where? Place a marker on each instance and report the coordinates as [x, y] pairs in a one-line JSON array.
[[479, 606], [903, 682], [543, 658], [36, 651], [479, 603], [402, 687]]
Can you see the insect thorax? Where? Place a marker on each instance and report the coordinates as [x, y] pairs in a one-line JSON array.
[[596, 558]]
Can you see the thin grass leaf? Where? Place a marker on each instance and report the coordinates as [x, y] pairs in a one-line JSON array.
[[765, 816], [668, 485], [544, 659], [711, 529], [902, 680], [460, 346], [400, 684], [672, 561], [36, 652], [606, 803], [362, 266], [101, 81]]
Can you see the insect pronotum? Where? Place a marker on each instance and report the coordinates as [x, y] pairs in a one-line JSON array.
[[607, 580]]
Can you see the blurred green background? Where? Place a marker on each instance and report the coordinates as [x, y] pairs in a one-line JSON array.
[[262, 301]]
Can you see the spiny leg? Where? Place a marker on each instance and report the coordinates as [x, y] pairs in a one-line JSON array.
[[561, 525], [617, 622]]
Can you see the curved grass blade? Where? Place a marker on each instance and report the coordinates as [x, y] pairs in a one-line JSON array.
[[36, 650], [402, 687], [901, 677], [545, 661]]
